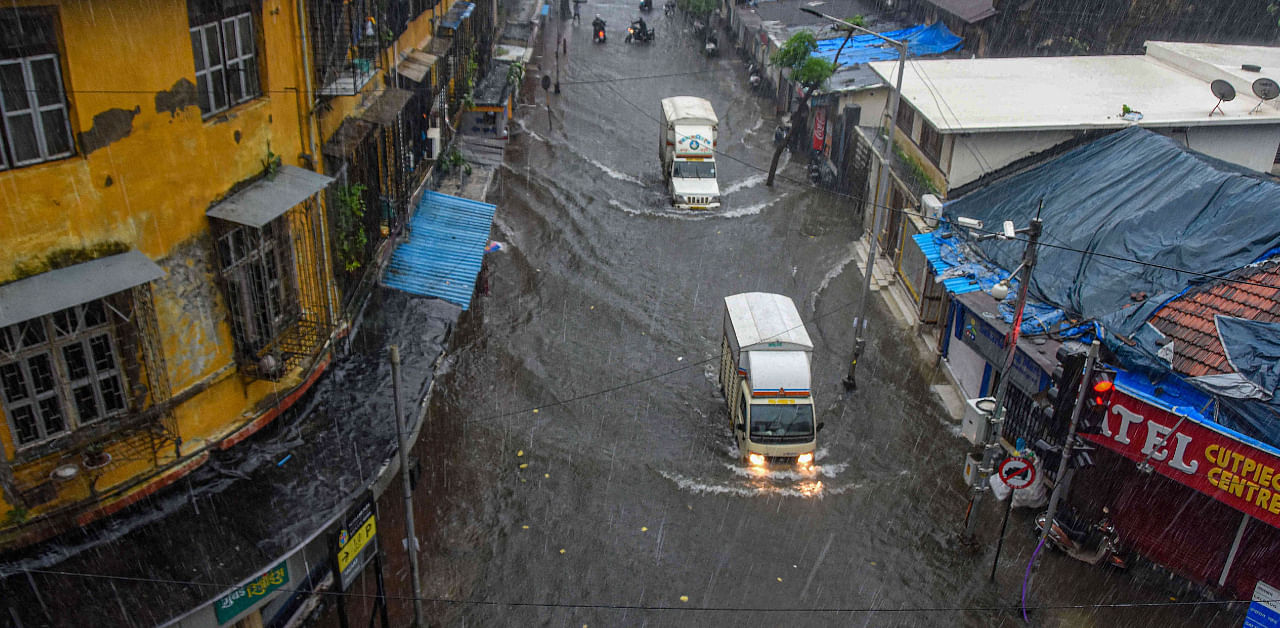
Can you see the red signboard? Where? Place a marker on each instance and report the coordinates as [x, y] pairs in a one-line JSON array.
[[819, 127], [1231, 471]]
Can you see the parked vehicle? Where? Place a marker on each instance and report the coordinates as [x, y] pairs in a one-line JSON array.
[[764, 373], [1095, 544], [712, 46], [640, 32], [686, 146]]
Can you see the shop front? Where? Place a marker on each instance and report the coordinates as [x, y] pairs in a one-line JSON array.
[[1185, 492]]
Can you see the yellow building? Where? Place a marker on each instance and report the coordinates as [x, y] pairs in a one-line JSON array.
[[182, 239]]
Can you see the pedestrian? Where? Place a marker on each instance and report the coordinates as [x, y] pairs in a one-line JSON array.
[[565, 44], [482, 282]]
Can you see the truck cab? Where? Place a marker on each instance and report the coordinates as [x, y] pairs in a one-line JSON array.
[[765, 361]]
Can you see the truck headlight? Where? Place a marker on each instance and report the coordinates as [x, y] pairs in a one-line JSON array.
[[756, 460], [805, 459]]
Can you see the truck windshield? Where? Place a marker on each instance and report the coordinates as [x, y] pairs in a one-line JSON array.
[[694, 170], [781, 423]]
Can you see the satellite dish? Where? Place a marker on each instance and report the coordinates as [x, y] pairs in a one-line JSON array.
[[1266, 89], [1223, 90], [1225, 93]]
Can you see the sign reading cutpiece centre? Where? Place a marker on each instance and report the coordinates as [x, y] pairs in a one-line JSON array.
[[1228, 469]]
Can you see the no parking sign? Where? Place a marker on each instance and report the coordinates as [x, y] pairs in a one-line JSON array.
[[1018, 473]]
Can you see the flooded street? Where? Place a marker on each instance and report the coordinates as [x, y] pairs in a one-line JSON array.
[[593, 478]]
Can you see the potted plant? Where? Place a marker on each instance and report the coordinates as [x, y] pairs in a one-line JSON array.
[[96, 456]]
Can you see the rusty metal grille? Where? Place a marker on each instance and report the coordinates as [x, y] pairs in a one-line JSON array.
[[274, 281]]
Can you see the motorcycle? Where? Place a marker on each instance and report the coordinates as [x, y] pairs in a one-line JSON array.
[[712, 47], [646, 5], [640, 33], [1095, 544], [753, 76], [597, 30], [669, 8]]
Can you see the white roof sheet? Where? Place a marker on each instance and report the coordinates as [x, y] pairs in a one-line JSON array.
[[772, 370], [764, 321], [1169, 85], [692, 107]]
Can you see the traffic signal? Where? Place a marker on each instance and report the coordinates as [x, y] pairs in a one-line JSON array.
[[1097, 400], [1060, 398]]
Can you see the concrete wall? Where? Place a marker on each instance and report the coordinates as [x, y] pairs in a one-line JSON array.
[[976, 154], [1252, 146]]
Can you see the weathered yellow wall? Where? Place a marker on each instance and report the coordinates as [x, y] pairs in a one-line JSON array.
[[130, 77]]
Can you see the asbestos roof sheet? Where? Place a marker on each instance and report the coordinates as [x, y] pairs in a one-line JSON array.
[[447, 238], [971, 11], [388, 106], [269, 197], [349, 135], [416, 65], [56, 290]]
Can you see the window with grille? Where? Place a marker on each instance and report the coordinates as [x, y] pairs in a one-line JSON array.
[[257, 273], [61, 371], [225, 49], [931, 142], [36, 126], [906, 117]]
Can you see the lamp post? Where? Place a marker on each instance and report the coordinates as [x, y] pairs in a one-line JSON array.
[[860, 323], [992, 445]]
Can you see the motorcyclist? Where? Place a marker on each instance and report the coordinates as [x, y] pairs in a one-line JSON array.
[[643, 29], [597, 24]]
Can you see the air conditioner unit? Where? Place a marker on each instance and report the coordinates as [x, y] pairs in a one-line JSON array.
[[931, 206], [433, 143], [976, 426]]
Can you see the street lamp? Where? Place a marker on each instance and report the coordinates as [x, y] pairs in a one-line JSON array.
[[992, 445], [860, 323]]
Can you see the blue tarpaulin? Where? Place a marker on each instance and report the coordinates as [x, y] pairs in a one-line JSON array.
[[458, 12], [922, 41], [1133, 194], [447, 239]]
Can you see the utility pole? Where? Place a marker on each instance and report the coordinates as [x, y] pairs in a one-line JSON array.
[[412, 544], [992, 447], [860, 323]]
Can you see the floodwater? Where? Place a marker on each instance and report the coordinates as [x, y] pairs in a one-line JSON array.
[[598, 484]]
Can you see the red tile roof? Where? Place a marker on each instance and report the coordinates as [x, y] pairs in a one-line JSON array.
[[1189, 318]]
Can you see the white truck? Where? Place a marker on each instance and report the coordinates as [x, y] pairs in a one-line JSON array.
[[686, 145], [764, 373]]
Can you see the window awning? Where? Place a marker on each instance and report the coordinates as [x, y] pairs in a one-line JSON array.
[[387, 107], [458, 12], [349, 135], [416, 66], [971, 11], [56, 290], [268, 198]]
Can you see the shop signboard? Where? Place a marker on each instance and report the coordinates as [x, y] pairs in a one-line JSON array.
[[989, 343], [819, 127], [1264, 610], [1226, 468], [357, 542], [251, 595]]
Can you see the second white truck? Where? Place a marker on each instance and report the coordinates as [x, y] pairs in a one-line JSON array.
[[687, 147], [764, 372]]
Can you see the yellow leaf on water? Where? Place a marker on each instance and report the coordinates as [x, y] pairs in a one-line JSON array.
[[546, 475], [524, 465], [779, 579], [644, 528], [535, 410], [521, 452], [524, 527], [562, 550], [684, 598]]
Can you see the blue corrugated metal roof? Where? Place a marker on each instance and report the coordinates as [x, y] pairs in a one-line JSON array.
[[446, 244], [929, 246]]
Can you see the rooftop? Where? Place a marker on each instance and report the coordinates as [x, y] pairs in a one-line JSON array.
[[1169, 85], [1189, 319]]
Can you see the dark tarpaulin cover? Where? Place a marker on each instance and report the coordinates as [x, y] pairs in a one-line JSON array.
[[1132, 195], [1253, 349]]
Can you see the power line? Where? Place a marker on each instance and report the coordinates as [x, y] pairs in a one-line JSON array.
[[648, 607]]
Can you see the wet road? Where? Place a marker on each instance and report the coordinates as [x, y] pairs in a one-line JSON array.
[[592, 477]]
